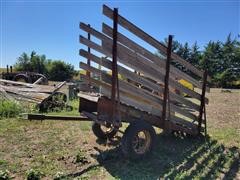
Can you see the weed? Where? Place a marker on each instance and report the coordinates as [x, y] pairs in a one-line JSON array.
[[33, 174], [9, 109], [59, 176], [80, 158], [3, 162], [4, 175]]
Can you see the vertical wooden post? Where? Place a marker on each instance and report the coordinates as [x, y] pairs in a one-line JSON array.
[[166, 80], [202, 105], [114, 64], [88, 73]]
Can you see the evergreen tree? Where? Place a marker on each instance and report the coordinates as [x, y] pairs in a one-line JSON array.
[[221, 59], [195, 55]]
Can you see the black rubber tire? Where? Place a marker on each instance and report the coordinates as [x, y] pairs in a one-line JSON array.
[[99, 133], [127, 140]]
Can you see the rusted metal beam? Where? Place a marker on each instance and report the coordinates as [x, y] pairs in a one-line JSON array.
[[114, 65], [88, 73], [166, 80], [202, 105], [53, 117], [205, 121]]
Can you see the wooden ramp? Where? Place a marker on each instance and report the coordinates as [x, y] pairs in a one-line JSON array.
[[142, 75]]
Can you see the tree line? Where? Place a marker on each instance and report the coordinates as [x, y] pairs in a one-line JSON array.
[[221, 59], [55, 70]]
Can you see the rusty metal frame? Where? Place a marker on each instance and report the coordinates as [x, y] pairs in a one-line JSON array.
[[166, 81], [54, 117], [115, 85], [88, 73], [202, 105]]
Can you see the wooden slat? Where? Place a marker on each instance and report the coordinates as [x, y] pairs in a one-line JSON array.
[[135, 61], [38, 97], [150, 67], [45, 88], [183, 122], [131, 55], [175, 72], [123, 71], [131, 89], [88, 96], [183, 100], [124, 86], [125, 97], [141, 80], [179, 110], [24, 89], [20, 84], [29, 92], [149, 39]]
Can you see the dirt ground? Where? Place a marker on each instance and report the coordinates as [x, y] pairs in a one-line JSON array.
[[223, 115], [69, 150]]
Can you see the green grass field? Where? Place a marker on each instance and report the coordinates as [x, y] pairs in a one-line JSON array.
[[70, 149]]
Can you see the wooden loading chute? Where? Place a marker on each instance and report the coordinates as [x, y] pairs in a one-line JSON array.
[[150, 94]]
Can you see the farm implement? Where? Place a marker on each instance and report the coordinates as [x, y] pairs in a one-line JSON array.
[[137, 86], [142, 88]]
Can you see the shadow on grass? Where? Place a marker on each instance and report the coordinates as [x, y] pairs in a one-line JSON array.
[[176, 157]]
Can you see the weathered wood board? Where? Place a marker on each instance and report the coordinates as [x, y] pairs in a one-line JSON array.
[[28, 92]]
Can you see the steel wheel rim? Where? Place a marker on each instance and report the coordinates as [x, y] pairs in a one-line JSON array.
[[141, 142], [107, 130]]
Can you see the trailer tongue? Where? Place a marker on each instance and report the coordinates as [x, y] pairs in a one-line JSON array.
[[54, 117]]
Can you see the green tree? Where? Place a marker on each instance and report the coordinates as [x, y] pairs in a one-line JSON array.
[[212, 58], [54, 69], [23, 63], [195, 55], [221, 59], [231, 57], [59, 71], [32, 63]]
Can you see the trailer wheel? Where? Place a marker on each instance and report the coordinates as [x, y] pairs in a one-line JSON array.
[[103, 132], [138, 140]]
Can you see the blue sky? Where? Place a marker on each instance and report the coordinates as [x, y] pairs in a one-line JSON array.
[[52, 27]]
